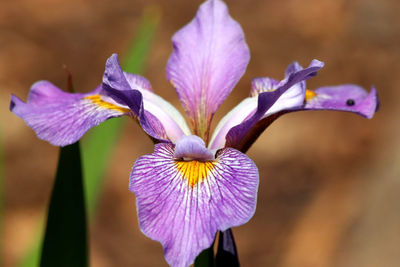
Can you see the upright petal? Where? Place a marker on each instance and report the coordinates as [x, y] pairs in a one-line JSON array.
[[210, 56], [348, 97], [158, 118], [269, 97], [62, 118], [183, 204]]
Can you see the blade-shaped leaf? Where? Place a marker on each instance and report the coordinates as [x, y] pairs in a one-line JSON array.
[[227, 253], [65, 241], [205, 258]]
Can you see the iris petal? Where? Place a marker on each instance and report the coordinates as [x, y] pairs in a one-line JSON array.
[[270, 97], [62, 118], [183, 204], [158, 118], [348, 97], [210, 56]]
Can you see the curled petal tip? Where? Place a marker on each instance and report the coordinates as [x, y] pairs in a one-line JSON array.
[[317, 63]]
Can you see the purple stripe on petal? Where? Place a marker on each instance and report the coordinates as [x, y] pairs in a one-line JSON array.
[[185, 216], [134, 100], [62, 118], [292, 68], [158, 118], [210, 56], [287, 95], [138, 82], [348, 97]]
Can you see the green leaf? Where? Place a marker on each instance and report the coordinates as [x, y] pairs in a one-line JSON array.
[[65, 241], [205, 258], [137, 53]]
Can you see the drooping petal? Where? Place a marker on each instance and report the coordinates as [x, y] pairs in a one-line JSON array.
[[62, 118], [182, 204], [348, 97], [210, 55], [270, 97], [157, 117]]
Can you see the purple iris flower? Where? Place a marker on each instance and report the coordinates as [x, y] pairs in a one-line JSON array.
[[194, 183]]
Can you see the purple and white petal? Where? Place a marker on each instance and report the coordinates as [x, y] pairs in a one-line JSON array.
[[348, 97], [192, 147], [210, 56], [264, 84], [237, 115], [62, 118], [138, 82], [270, 97], [183, 204], [136, 92], [238, 135]]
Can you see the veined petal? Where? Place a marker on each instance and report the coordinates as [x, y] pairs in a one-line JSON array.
[[210, 56], [158, 118], [269, 97], [348, 97], [183, 204], [62, 118]]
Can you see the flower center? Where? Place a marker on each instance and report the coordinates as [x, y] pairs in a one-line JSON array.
[[194, 171], [192, 147]]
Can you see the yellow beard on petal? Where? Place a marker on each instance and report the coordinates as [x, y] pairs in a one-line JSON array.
[[194, 171], [96, 99], [310, 95]]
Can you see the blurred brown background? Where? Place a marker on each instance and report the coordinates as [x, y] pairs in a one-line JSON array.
[[330, 182]]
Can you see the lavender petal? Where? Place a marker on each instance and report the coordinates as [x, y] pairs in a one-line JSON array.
[[63, 118], [158, 118], [183, 204], [210, 56], [273, 97], [348, 97]]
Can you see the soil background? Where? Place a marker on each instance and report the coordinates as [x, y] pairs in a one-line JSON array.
[[329, 181]]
